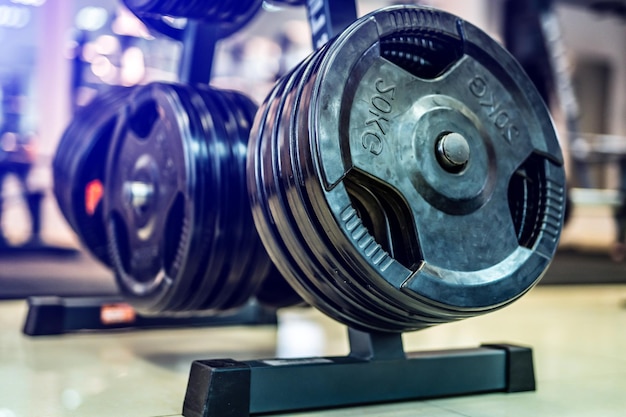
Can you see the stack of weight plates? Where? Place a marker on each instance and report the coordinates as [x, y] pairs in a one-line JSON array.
[[181, 233], [407, 174]]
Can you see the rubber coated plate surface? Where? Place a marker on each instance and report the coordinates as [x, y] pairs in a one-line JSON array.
[[180, 225], [407, 174], [229, 16], [78, 168]]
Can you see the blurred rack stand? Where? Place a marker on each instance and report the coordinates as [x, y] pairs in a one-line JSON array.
[[60, 315], [54, 315]]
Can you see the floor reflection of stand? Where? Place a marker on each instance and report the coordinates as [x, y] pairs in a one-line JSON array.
[[59, 315], [377, 370]]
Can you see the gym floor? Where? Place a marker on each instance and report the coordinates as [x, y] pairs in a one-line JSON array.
[[577, 333]]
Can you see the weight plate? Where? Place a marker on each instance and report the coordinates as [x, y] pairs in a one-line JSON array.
[[180, 227], [229, 16], [78, 168], [274, 290], [220, 279], [407, 174]]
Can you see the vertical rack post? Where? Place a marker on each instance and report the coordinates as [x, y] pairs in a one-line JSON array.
[[328, 18], [199, 40]]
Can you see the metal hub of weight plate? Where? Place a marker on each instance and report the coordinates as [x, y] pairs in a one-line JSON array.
[[78, 168], [407, 174], [230, 16], [181, 233]]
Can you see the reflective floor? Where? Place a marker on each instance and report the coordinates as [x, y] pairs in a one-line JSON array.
[[578, 335]]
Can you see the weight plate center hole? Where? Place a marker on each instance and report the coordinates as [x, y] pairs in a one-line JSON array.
[[140, 193], [453, 152]]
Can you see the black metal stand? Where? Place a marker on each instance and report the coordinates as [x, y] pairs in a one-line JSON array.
[[377, 370], [57, 315], [196, 64]]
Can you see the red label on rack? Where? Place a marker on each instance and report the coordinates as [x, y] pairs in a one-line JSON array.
[[117, 314]]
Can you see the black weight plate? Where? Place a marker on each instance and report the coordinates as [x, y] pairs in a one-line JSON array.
[[380, 317], [221, 275], [236, 263], [79, 164], [243, 270], [293, 253], [180, 225], [408, 175], [255, 265], [350, 302], [213, 272], [228, 16], [156, 199], [282, 252], [274, 290], [232, 271]]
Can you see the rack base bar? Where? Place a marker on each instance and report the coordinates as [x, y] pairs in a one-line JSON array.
[[52, 315], [239, 389]]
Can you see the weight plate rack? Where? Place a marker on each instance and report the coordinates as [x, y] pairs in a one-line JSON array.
[[406, 174]]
